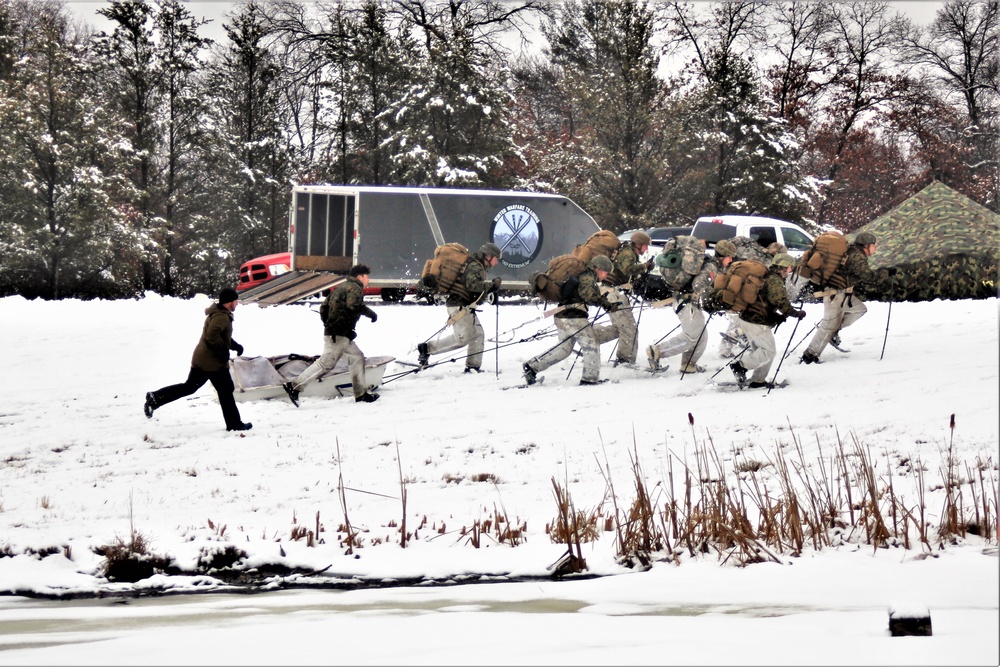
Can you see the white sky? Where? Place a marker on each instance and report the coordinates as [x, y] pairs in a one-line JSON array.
[[215, 10], [80, 465]]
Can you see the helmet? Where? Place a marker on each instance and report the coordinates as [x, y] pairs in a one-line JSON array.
[[864, 238], [641, 238], [775, 248], [491, 250], [783, 259], [602, 263], [725, 248]]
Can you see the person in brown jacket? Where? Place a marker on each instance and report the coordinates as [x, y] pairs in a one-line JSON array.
[[209, 363]]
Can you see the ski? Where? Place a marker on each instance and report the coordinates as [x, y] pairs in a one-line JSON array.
[[525, 385], [727, 385], [411, 364], [838, 347]]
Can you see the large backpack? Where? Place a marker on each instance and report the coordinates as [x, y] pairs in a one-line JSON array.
[[603, 242], [740, 284], [551, 284], [444, 273], [747, 248], [681, 260], [821, 261]]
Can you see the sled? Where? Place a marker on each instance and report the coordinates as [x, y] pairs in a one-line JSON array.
[[258, 378]]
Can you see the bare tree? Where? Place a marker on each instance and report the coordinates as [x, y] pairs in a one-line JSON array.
[[801, 38], [866, 50], [962, 47], [961, 50]]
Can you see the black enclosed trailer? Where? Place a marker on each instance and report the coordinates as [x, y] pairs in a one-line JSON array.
[[394, 230]]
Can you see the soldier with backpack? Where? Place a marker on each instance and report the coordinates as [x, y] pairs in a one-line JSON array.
[[842, 305], [573, 326], [770, 308], [626, 270], [746, 248], [691, 279], [464, 294]]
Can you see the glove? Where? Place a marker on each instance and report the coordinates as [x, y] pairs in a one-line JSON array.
[[496, 282], [373, 316], [238, 349], [798, 314], [612, 307]]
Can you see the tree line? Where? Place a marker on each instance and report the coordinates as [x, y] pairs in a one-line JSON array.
[[148, 157]]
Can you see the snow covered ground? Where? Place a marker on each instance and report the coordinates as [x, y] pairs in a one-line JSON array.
[[80, 466]]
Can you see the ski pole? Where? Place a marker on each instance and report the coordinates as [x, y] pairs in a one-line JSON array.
[[496, 350], [892, 284], [735, 359], [803, 339], [667, 334], [797, 320], [698, 342]]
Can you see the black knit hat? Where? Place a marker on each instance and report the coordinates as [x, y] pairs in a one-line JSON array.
[[228, 294]]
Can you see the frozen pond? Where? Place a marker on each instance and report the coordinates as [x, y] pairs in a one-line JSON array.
[[504, 623]]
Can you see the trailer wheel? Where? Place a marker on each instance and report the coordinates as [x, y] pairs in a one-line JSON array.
[[393, 293]]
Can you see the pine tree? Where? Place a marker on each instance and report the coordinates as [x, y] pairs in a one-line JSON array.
[[62, 234], [619, 146]]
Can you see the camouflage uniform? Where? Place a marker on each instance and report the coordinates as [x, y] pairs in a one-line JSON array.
[[623, 325], [844, 307], [466, 329], [771, 308], [340, 312], [746, 248], [691, 342], [574, 327]]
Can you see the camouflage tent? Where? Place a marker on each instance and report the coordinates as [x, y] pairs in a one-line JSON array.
[[942, 244]]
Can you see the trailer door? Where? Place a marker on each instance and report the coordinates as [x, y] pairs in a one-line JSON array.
[[323, 233]]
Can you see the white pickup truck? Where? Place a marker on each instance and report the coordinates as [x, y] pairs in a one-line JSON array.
[[714, 228]]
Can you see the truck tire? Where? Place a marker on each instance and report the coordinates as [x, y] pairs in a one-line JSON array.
[[392, 294]]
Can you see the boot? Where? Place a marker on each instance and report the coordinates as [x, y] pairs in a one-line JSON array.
[[242, 426], [653, 357], [692, 368], [529, 373], [423, 356], [809, 358], [739, 371], [293, 394], [150, 405], [366, 397]]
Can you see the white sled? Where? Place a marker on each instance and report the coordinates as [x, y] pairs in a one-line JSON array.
[[258, 378]]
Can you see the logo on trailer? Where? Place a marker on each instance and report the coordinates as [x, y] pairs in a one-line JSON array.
[[518, 232]]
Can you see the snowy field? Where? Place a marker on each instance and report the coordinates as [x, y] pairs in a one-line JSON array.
[[80, 466]]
